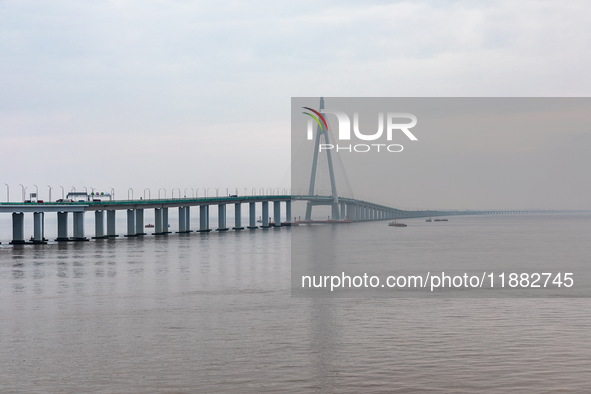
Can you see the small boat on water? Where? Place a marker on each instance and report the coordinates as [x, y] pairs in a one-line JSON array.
[[441, 220], [149, 225], [396, 224]]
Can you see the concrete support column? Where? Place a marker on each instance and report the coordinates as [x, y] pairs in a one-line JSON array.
[[343, 211], [222, 218], [139, 222], [18, 228], [265, 217], [238, 216], [38, 223], [277, 213], [62, 227], [188, 219], [336, 214], [288, 217], [157, 221], [111, 232], [252, 216], [130, 223], [350, 212], [79, 227], [204, 218], [99, 225], [165, 221], [182, 220]]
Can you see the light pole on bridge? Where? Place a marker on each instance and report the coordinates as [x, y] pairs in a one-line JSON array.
[[7, 192], [23, 188], [49, 192], [149, 193], [159, 192], [130, 190]]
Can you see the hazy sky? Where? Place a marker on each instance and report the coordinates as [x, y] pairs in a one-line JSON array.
[[197, 93]]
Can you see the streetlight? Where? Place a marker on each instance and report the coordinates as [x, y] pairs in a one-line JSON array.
[[159, 192], [112, 194], [192, 192], [23, 189], [130, 190], [7, 192], [36, 192], [217, 191], [149, 194], [49, 192]]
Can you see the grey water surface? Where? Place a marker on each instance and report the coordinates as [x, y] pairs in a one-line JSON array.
[[214, 313]]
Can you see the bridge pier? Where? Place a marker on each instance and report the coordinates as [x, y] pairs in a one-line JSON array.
[[336, 214], [252, 225], [351, 212], [139, 222], [222, 218], [18, 228], [62, 227], [182, 217], [111, 233], [79, 227], [288, 212], [157, 221], [238, 217], [165, 225], [99, 225], [277, 213], [130, 223], [39, 228], [188, 219], [265, 216], [204, 218]]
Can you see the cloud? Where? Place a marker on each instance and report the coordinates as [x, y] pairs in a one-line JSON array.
[[143, 69]]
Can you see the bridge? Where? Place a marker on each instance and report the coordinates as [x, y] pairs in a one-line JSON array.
[[343, 209], [349, 210]]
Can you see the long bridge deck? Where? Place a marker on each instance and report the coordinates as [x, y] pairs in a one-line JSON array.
[[344, 209]]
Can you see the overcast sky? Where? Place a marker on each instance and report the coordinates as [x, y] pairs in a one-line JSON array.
[[197, 93]]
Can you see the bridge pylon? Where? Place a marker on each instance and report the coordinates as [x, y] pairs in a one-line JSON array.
[[323, 138]]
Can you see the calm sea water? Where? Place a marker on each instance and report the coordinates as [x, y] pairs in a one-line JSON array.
[[214, 313]]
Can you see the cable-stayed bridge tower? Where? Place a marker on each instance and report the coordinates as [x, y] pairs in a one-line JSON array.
[[322, 138]]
